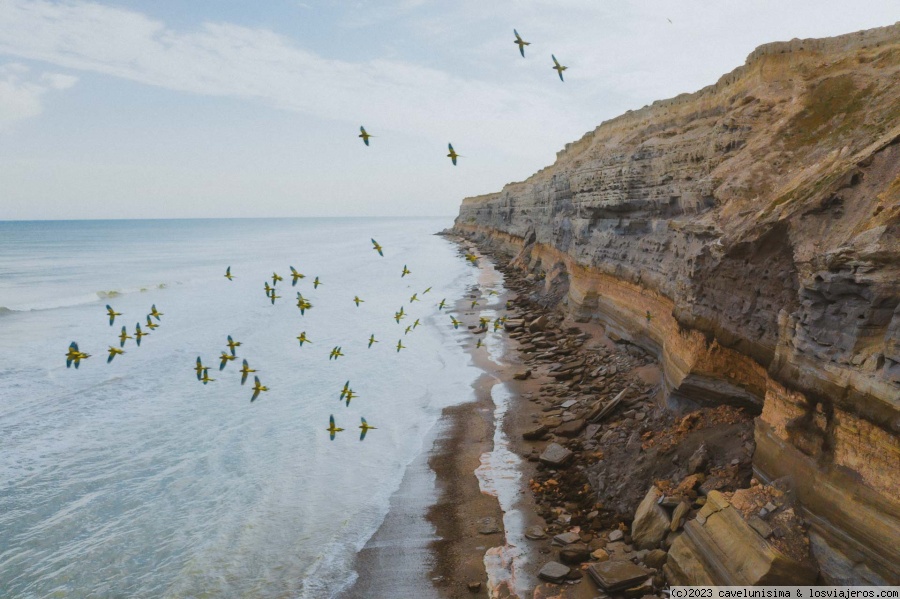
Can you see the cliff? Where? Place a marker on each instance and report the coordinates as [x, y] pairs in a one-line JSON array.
[[749, 235]]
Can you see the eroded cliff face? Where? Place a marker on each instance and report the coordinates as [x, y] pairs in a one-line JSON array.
[[749, 234]]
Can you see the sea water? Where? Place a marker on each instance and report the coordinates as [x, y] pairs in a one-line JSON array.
[[134, 479]]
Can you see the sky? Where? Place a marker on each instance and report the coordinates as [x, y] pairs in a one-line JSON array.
[[228, 108]]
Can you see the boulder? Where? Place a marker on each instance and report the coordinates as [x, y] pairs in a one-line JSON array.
[[651, 522], [556, 455], [538, 324], [574, 554]]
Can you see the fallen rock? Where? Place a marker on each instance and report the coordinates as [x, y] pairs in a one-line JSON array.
[[651, 522], [574, 554], [521, 376], [566, 538], [698, 460], [655, 559], [570, 429], [538, 324], [616, 535], [535, 533], [556, 455], [554, 572], [536, 434], [488, 526], [474, 586], [600, 555], [612, 576], [678, 515]]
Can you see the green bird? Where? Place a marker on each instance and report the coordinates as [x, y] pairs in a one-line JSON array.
[[113, 352], [245, 370], [357, 301], [365, 136], [123, 336], [372, 340], [365, 428], [400, 345], [377, 248], [316, 283], [442, 304], [332, 429], [257, 388], [296, 276], [452, 155], [522, 43], [138, 334], [558, 67], [405, 272], [228, 274], [112, 314]]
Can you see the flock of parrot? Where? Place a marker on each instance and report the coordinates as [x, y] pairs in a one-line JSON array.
[[74, 355], [452, 155]]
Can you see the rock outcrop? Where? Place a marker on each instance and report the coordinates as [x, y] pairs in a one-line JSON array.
[[748, 234]]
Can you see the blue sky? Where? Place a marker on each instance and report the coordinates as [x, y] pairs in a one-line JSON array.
[[223, 108]]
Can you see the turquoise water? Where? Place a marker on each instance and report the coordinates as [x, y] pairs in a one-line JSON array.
[[133, 479]]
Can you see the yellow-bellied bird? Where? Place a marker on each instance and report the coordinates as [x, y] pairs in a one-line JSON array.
[[377, 248], [206, 378], [316, 283], [408, 329], [123, 336], [452, 155], [232, 344], [268, 289], [228, 274], [474, 302], [405, 272], [226, 358], [372, 339], [558, 67], [400, 345], [426, 291], [414, 298], [296, 275], [199, 368], [75, 356], [150, 324], [332, 429], [275, 278], [302, 338], [335, 353], [273, 297], [357, 301], [257, 387], [350, 395], [245, 370], [154, 312], [416, 323], [455, 322], [138, 334], [113, 352], [365, 428], [112, 314], [344, 391], [365, 136], [442, 304], [522, 43]]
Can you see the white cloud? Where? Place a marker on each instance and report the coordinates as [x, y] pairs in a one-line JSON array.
[[21, 91], [222, 59]]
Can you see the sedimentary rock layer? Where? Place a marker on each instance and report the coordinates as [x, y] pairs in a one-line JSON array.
[[749, 234]]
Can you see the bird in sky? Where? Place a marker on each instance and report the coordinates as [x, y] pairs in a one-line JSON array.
[[668, 19], [442, 304], [452, 155], [365, 428], [232, 344], [123, 336], [455, 322], [377, 248], [400, 345], [414, 298], [268, 289], [316, 283], [113, 352], [273, 297], [400, 314], [257, 387], [302, 339], [475, 303], [150, 324], [205, 379], [138, 334], [275, 278], [357, 301], [199, 368], [408, 329], [405, 272], [296, 275], [522, 43], [483, 320], [350, 395], [112, 314], [228, 274], [558, 67], [416, 323], [497, 324], [372, 340], [335, 353], [226, 358], [426, 291], [155, 313], [332, 429], [75, 356], [365, 136], [304, 305], [245, 370], [344, 391]]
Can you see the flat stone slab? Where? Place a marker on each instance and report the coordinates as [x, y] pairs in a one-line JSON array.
[[536, 434], [488, 526], [568, 404], [554, 572], [591, 431], [555, 455], [570, 429], [535, 533], [566, 538], [612, 576]]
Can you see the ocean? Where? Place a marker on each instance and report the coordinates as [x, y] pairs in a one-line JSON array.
[[134, 479]]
